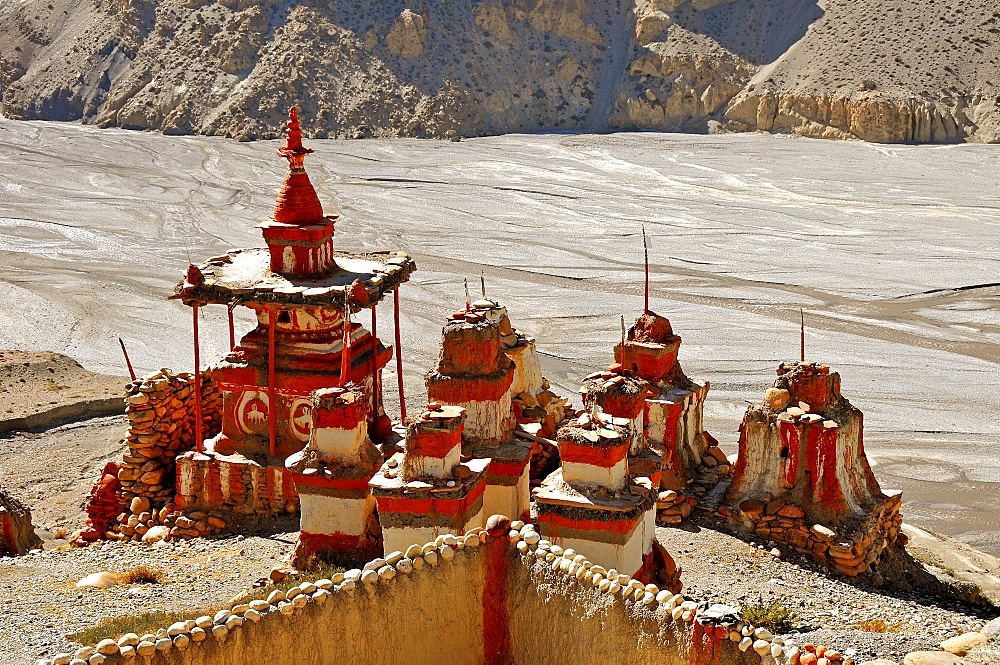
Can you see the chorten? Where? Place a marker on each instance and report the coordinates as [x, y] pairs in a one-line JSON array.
[[802, 476], [675, 405], [304, 295]]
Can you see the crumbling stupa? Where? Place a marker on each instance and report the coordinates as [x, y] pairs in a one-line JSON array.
[[802, 477]]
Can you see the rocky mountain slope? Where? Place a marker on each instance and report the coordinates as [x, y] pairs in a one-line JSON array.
[[880, 70]]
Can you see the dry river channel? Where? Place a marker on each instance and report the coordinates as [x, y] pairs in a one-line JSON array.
[[890, 251]]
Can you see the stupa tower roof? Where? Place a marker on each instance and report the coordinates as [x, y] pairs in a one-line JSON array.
[[297, 202]]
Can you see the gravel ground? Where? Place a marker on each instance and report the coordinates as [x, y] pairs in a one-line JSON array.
[[40, 604], [827, 609]]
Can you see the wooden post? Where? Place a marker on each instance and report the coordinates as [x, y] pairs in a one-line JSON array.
[[272, 415], [345, 347], [232, 329], [374, 362], [199, 439], [131, 372], [802, 318], [399, 356]]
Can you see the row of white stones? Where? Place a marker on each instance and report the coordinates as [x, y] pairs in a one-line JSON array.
[[772, 650], [184, 634]]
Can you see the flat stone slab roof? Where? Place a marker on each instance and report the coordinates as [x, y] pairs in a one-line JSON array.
[[556, 491], [244, 276]]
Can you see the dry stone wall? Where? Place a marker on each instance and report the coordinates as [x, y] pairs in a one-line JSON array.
[[161, 413]]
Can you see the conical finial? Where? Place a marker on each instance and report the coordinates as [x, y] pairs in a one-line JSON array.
[[468, 297], [293, 139], [482, 282], [297, 202]]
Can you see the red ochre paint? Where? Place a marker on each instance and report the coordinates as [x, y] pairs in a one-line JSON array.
[[510, 470], [339, 415], [414, 506], [592, 455], [343, 484], [790, 441], [496, 624], [821, 456], [705, 647], [459, 390], [329, 542], [622, 406], [434, 443], [619, 527]]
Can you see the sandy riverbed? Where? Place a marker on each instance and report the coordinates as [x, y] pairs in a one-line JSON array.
[[888, 250]]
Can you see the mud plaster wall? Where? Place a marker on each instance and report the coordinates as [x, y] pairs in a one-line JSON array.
[[552, 613], [430, 616]]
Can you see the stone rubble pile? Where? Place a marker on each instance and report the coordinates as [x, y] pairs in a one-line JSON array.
[[17, 535], [103, 505], [143, 522], [161, 426]]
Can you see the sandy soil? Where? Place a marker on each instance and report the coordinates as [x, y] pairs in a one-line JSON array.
[[883, 248]]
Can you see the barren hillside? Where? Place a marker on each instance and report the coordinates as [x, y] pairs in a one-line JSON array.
[[881, 70]]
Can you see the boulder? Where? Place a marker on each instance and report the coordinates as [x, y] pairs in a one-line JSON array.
[[963, 644]]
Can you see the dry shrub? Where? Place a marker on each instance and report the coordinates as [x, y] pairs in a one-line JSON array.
[[142, 575]]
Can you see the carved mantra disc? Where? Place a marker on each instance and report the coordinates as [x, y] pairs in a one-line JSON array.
[[251, 412], [301, 424]]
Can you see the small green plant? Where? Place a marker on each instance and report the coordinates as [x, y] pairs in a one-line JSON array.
[[142, 575], [772, 615]]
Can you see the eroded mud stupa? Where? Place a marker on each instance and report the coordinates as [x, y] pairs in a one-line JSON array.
[[475, 373], [802, 477]]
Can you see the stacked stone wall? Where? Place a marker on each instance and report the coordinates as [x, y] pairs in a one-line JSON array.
[[852, 549], [161, 413]]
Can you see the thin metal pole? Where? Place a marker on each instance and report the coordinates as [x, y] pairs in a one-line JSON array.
[[272, 416], [623, 343], [131, 372], [345, 347], [199, 442], [802, 318], [645, 251], [399, 356]]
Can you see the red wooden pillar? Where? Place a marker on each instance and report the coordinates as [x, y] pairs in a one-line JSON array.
[[374, 363], [399, 356], [198, 435], [272, 415]]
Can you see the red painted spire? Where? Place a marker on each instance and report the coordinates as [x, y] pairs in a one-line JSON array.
[[297, 202]]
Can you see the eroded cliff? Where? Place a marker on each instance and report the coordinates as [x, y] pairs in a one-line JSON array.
[[897, 71]]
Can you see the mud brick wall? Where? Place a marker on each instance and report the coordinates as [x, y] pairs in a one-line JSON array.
[[161, 414]]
